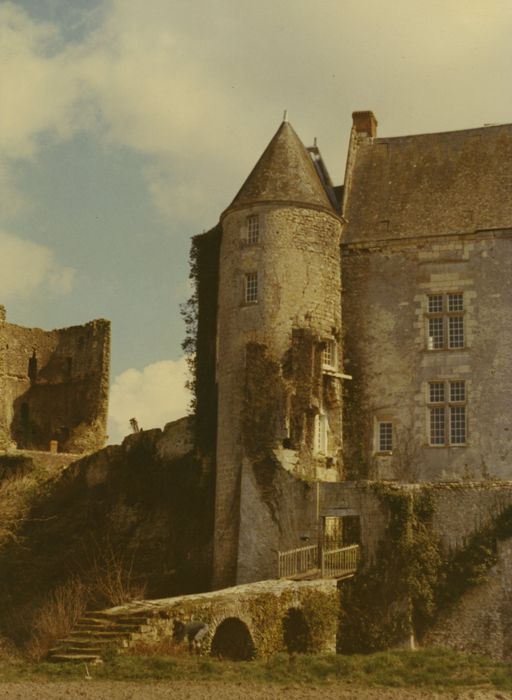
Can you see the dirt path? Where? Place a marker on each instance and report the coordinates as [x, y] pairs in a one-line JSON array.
[[192, 690]]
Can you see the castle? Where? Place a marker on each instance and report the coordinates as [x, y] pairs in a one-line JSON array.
[[355, 333], [352, 355]]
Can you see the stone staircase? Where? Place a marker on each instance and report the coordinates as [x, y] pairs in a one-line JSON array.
[[96, 634]]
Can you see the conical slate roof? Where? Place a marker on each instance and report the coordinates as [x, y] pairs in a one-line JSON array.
[[284, 173]]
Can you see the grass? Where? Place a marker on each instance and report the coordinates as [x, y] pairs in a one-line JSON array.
[[438, 669]]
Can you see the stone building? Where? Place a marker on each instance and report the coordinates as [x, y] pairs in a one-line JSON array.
[[386, 301], [54, 386]]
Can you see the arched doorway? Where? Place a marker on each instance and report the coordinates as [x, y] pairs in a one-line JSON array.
[[296, 636], [232, 640]]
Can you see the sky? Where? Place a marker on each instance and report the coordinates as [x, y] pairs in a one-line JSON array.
[[127, 126]]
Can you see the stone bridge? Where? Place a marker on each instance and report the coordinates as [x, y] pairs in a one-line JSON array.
[[255, 619]]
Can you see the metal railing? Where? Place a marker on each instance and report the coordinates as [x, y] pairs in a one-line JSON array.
[[336, 563], [309, 562], [298, 562]]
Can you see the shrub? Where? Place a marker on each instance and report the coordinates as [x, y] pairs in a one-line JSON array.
[[57, 616]]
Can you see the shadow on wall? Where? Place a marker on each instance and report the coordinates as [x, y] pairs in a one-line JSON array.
[[65, 399], [296, 634]]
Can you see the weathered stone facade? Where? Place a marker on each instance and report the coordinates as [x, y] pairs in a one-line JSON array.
[[415, 249], [54, 386], [392, 283]]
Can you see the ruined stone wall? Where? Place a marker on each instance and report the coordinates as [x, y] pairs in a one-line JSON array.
[[298, 266], [386, 288], [54, 386]]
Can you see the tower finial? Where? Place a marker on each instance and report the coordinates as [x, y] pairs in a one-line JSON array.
[[285, 115]]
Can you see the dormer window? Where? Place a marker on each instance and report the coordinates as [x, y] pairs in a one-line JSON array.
[[329, 354], [253, 229]]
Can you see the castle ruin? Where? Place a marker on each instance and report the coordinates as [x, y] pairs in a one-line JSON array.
[[54, 386]]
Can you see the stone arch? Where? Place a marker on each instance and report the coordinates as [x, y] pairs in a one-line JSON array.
[[233, 640], [296, 632]]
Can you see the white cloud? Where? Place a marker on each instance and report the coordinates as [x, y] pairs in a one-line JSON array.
[[198, 87], [154, 396], [39, 86], [26, 268]]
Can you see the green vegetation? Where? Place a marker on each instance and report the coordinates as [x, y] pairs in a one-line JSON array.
[[125, 510], [427, 668], [200, 316], [412, 580]]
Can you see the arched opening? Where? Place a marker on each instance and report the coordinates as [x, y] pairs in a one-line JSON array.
[[232, 640], [296, 636]]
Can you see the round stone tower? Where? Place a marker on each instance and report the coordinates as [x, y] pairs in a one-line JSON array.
[[279, 294]]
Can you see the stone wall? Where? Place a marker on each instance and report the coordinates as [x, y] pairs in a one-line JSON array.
[[461, 509], [386, 286], [54, 386], [481, 621]]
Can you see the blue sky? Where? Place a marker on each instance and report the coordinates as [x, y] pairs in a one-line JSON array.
[[126, 126]]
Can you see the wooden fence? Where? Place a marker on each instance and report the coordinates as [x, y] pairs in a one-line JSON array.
[[336, 563], [298, 562], [305, 562]]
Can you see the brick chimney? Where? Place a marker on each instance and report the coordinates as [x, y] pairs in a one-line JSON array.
[[2, 313], [365, 123]]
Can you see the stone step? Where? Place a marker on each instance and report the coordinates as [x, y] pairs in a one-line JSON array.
[[136, 618], [107, 627], [72, 649], [82, 658], [85, 643], [86, 634]]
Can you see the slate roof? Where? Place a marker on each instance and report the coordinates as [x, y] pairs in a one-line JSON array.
[[430, 184], [284, 173]]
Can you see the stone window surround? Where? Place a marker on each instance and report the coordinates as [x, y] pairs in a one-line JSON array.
[[251, 288], [445, 314], [252, 236], [385, 437], [447, 401], [330, 354], [382, 419]]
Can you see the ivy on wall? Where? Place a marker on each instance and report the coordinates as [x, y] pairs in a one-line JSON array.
[[265, 402], [319, 608], [412, 580], [200, 316]]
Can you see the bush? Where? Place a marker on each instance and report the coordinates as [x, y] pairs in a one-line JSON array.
[[111, 576], [57, 616]]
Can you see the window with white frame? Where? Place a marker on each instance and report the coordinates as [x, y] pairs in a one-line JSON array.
[[329, 354], [321, 438], [251, 288], [384, 436], [445, 321], [253, 229], [447, 412]]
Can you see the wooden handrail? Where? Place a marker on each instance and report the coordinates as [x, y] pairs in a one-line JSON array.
[[298, 561], [326, 563]]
